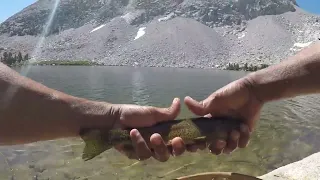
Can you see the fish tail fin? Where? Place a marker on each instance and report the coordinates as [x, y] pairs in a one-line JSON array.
[[94, 144]]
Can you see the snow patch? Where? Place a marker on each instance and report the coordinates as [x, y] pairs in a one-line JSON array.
[[299, 46], [302, 45], [140, 33], [97, 28], [242, 35]]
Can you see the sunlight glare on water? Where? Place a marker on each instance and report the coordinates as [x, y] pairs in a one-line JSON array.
[[139, 94], [24, 70], [45, 31]]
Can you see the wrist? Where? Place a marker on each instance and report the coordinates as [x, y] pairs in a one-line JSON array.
[[249, 82], [269, 85], [93, 114], [297, 75]]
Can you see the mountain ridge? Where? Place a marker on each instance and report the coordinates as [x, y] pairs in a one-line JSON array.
[[76, 13], [216, 32]]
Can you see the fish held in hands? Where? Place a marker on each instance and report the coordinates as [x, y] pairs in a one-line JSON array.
[[191, 131]]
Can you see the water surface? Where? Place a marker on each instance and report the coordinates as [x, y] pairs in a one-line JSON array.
[[287, 130]]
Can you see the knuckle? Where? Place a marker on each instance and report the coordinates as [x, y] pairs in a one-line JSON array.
[[140, 143]]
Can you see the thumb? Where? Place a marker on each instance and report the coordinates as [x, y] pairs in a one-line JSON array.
[[166, 114], [199, 108]]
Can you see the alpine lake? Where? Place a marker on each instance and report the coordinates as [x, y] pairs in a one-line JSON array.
[[286, 132]]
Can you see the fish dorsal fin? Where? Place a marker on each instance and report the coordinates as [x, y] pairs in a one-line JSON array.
[[94, 144]]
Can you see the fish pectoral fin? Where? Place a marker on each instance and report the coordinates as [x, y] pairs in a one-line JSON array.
[[93, 148], [94, 144]]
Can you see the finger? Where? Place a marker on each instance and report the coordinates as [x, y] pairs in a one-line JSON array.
[[161, 152], [198, 108], [244, 136], [203, 108], [178, 146], [217, 146], [232, 142], [255, 114], [141, 148], [166, 114]]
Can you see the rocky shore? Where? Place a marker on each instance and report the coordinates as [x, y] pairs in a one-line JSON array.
[[306, 169]]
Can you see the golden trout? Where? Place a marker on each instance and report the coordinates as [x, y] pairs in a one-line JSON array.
[[190, 130]]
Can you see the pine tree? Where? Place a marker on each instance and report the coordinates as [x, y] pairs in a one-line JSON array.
[[5, 58], [11, 59], [26, 57], [19, 57]]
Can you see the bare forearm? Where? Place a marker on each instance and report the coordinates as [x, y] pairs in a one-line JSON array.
[[298, 75], [30, 111]]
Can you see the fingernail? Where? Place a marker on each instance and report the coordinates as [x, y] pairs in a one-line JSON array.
[[157, 140], [134, 132]]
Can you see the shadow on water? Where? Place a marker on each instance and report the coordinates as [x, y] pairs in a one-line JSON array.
[[283, 126]]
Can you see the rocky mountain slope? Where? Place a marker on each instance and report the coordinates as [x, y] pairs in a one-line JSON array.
[[170, 33]]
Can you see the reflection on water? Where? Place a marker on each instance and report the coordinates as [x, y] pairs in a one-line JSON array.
[[139, 90], [286, 132]]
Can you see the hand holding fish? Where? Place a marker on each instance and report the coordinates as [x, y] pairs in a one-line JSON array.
[[141, 132], [145, 116], [234, 100], [295, 76]]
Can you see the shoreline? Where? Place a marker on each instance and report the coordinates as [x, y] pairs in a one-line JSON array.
[[229, 66]]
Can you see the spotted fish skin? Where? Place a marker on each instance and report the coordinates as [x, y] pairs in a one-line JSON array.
[[190, 130]]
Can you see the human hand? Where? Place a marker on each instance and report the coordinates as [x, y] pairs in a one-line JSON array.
[[135, 116], [233, 100]]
